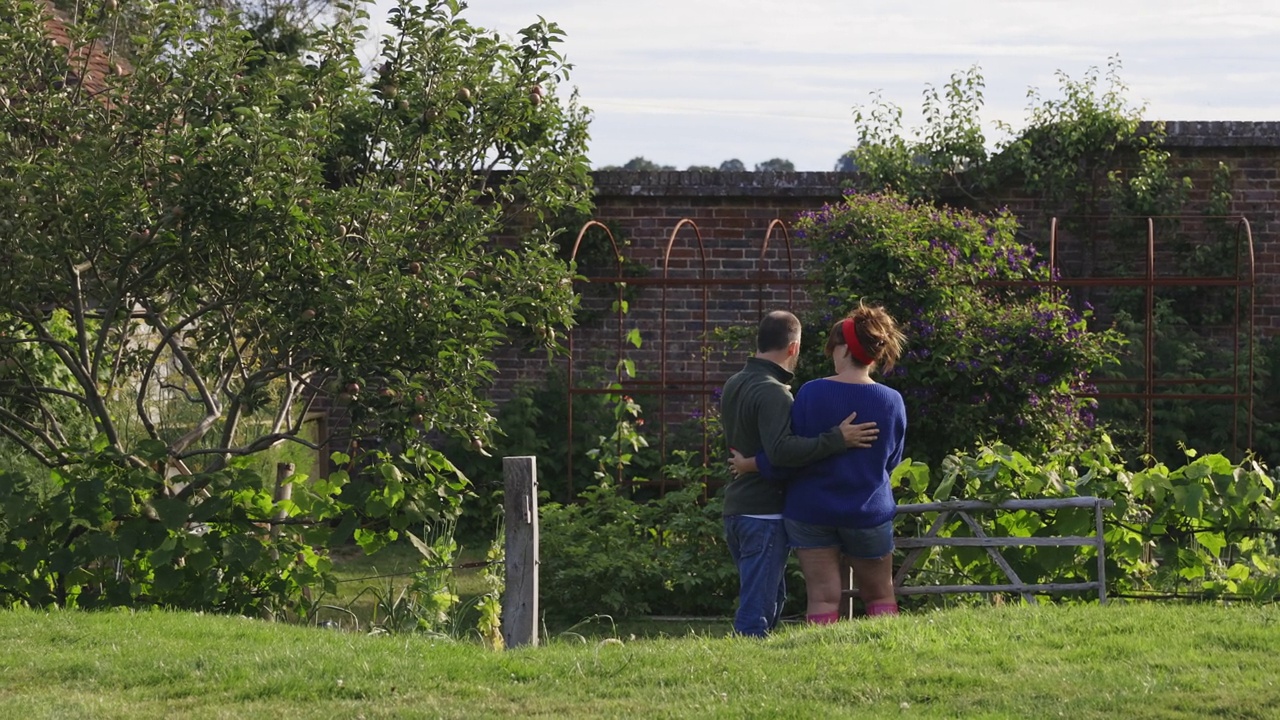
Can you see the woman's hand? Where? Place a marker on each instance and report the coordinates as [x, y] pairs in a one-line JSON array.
[[739, 464]]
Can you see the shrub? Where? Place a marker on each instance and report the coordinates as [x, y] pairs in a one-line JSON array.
[[612, 555], [228, 232], [990, 356], [1085, 155]]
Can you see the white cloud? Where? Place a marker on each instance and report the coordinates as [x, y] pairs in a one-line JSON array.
[[699, 81]]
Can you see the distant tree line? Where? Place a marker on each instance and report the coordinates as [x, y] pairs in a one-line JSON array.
[[640, 163]]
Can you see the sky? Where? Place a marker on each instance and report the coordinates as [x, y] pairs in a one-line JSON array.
[[697, 82]]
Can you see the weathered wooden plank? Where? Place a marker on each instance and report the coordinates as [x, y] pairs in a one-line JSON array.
[[283, 491], [996, 557], [1102, 552], [916, 546], [1015, 504], [909, 563], [520, 598], [988, 542], [850, 589], [955, 589]]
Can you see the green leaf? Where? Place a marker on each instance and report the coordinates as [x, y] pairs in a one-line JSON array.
[[423, 549], [152, 450], [173, 514], [371, 541], [1238, 572], [912, 475], [1212, 541], [1189, 500]]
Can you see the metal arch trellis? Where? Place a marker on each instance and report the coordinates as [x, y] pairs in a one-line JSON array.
[[775, 224], [664, 385], [1243, 280], [572, 390]]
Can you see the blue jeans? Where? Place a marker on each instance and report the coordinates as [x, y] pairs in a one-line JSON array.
[[759, 548]]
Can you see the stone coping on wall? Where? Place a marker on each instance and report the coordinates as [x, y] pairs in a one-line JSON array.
[[696, 183], [699, 183], [1222, 133]]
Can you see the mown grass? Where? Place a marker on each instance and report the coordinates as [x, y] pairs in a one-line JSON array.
[[1086, 661]]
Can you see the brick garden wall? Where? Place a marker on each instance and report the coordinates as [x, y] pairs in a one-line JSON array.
[[733, 210], [1252, 150], [721, 251]]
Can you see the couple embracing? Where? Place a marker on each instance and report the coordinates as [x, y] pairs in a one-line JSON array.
[[806, 476]]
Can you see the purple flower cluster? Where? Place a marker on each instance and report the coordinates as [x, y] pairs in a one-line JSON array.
[[982, 360]]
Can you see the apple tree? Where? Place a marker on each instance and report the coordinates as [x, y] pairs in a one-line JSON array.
[[201, 256]]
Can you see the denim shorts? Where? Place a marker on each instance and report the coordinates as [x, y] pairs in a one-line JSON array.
[[860, 543]]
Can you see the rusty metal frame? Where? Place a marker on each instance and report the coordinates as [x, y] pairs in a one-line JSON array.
[[617, 257], [662, 333], [776, 224], [1150, 281], [664, 385]]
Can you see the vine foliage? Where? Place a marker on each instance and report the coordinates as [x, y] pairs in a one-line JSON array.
[[1086, 157]]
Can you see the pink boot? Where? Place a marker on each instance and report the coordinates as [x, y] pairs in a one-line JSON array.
[[882, 608]]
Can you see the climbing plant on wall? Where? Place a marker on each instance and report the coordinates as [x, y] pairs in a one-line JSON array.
[[1086, 156]]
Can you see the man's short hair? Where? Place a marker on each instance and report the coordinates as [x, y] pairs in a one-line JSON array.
[[777, 330]]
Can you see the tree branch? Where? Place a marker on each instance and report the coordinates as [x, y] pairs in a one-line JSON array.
[[77, 313], [169, 338], [52, 419], [120, 298], [286, 406], [31, 384], [181, 390], [236, 409], [8, 417], [258, 445], [97, 406]]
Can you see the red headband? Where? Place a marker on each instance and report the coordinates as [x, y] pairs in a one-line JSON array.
[[851, 340]]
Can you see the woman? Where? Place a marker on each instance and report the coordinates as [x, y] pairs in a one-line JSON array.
[[844, 504]]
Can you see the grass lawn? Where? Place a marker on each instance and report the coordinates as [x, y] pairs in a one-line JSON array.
[[1086, 661]]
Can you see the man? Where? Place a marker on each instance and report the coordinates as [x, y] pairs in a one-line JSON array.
[[756, 414]]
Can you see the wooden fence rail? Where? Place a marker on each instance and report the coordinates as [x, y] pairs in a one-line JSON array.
[[520, 614], [963, 509]]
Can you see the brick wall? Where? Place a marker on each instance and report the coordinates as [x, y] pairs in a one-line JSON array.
[[732, 212], [1252, 150], [719, 252], [731, 215]]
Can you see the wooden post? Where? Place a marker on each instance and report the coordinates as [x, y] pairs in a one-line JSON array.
[[849, 591], [1102, 551], [284, 491], [520, 599]]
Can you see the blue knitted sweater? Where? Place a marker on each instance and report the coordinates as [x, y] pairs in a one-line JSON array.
[[850, 489]]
